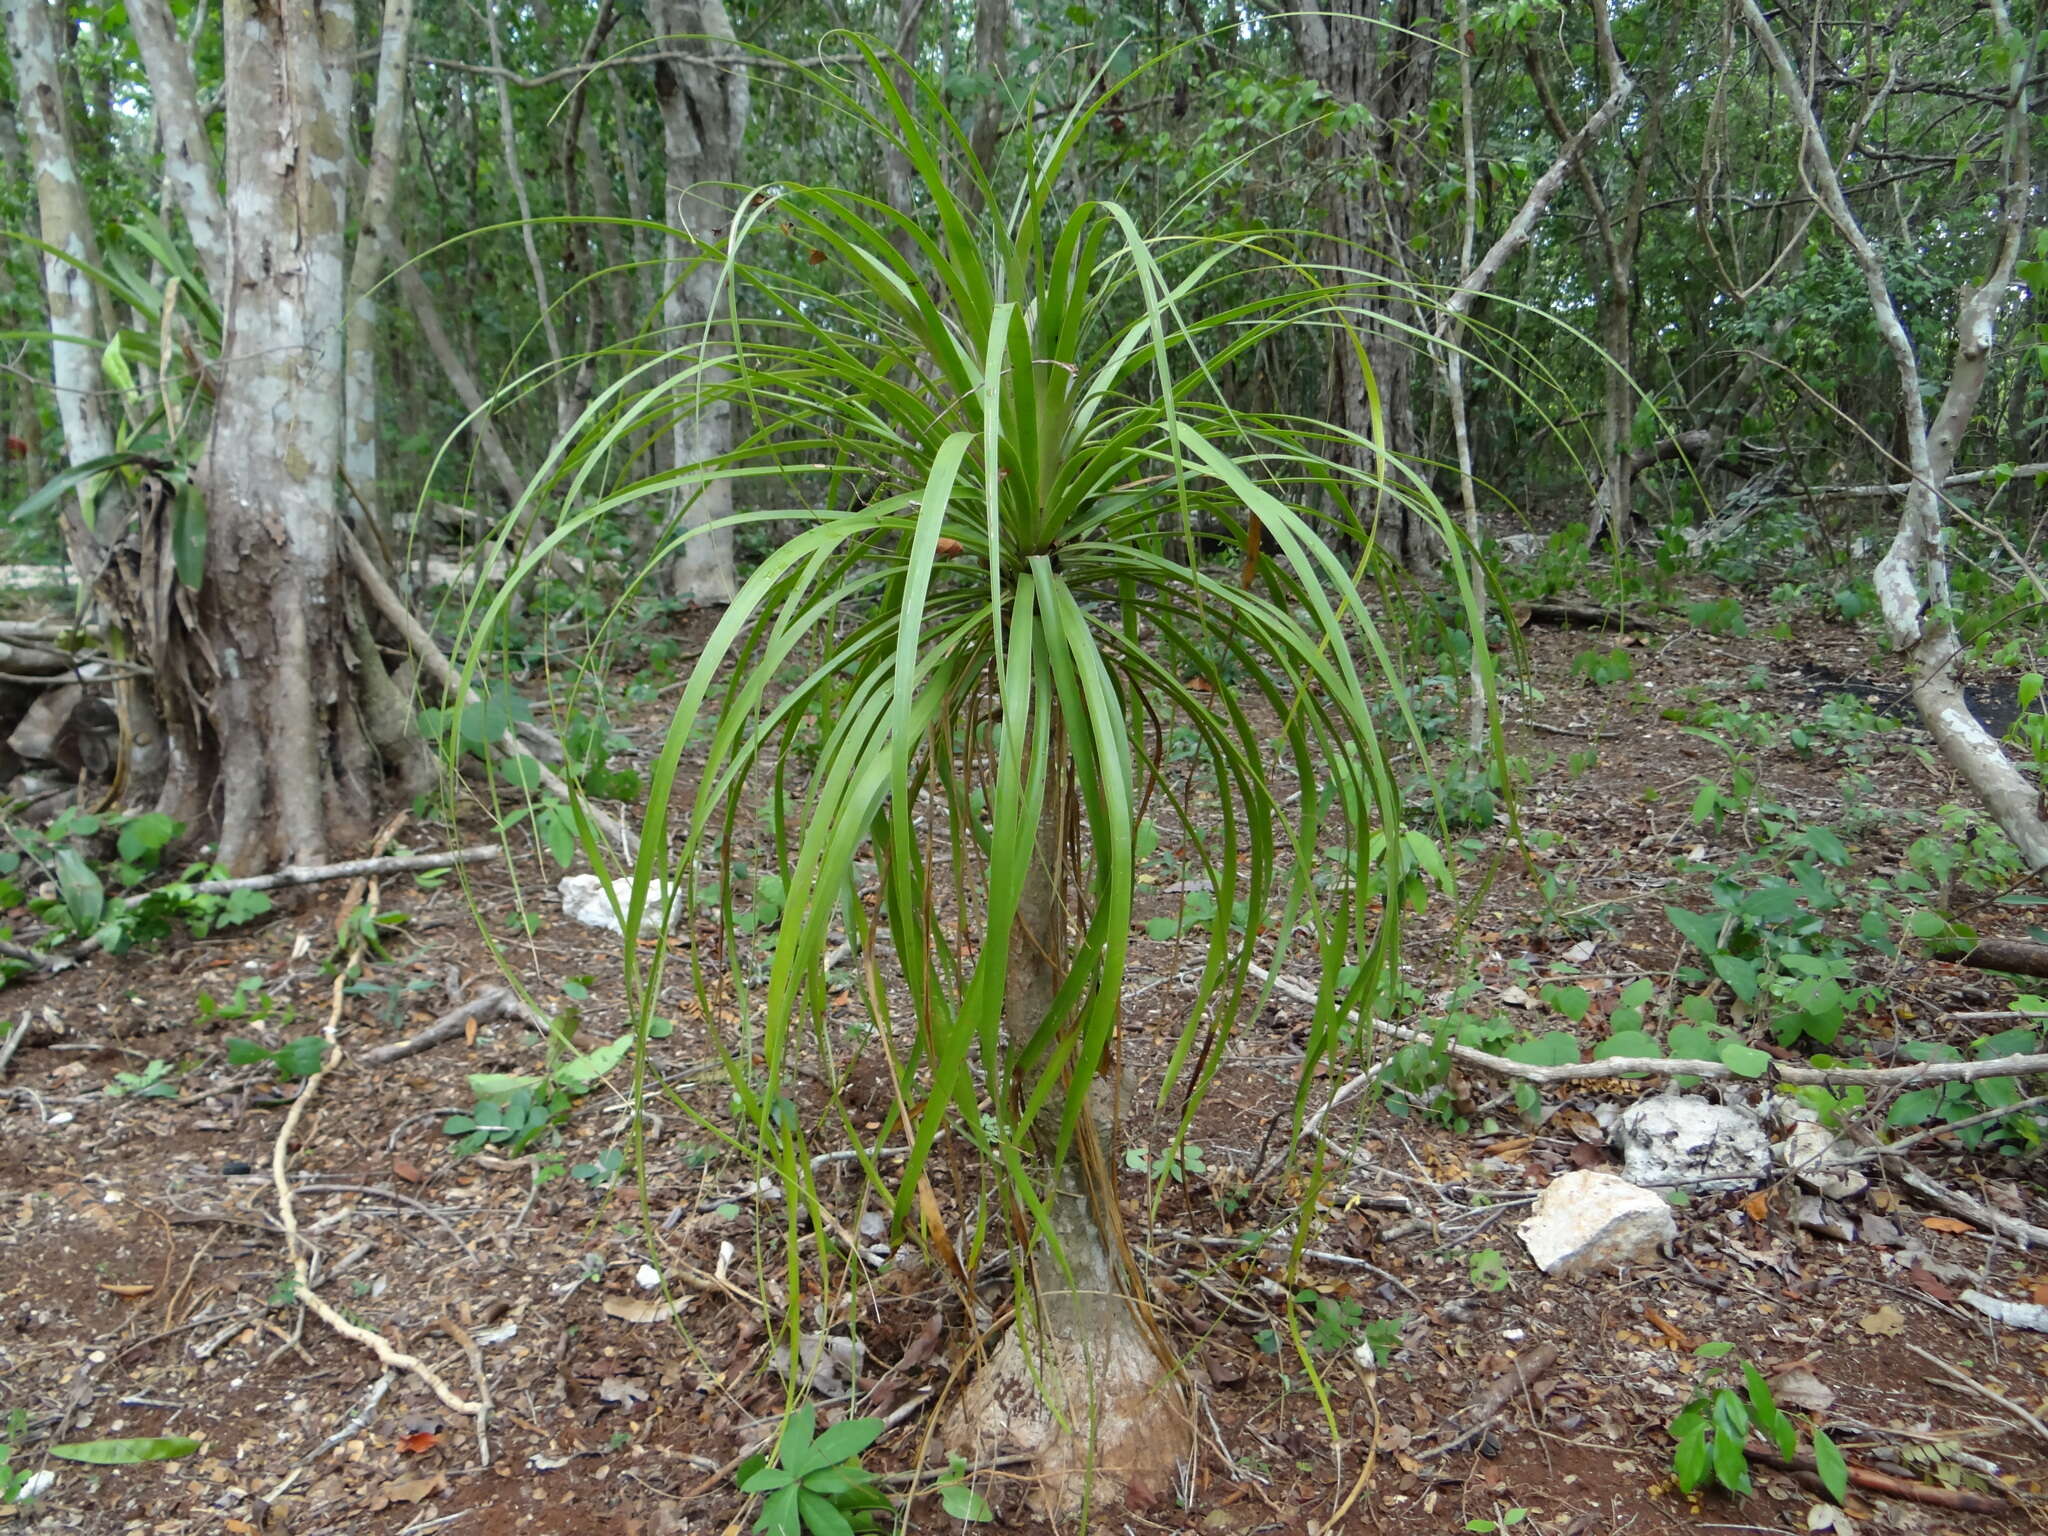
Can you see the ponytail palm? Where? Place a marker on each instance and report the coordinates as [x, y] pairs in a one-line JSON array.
[[999, 446]]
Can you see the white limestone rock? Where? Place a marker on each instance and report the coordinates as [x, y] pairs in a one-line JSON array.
[[1677, 1141], [584, 899], [1816, 1156], [1588, 1222]]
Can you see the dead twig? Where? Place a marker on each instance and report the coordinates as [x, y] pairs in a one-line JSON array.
[[1963, 1500], [497, 1002], [1978, 1387], [1657, 1066], [1525, 1373], [1971, 1209]]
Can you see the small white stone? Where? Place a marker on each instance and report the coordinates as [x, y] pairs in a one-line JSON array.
[[1587, 1222], [584, 899], [648, 1276], [1816, 1157]]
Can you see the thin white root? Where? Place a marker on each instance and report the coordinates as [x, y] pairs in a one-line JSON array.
[[280, 1153]]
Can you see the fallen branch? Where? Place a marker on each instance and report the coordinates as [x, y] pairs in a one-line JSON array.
[[1962, 1500], [14, 1038], [353, 869], [2016, 957], [1524, 1374], [1581, 616], [498, 1002], [1970, 1383], [1971, 1209], [1658, 1066], [1970, 477]]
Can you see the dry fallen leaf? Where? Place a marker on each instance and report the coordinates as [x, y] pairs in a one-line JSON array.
[[1757, 1206], [408, 1490], [1800, 1388], [1887, 1321], [651, 1309], [623, 1390], [1926, 1282], [419, 1442], [1947, 1224], [113, 1289], [407, 1171]]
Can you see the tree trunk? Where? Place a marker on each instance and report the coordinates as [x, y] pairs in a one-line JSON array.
[[1378, 54], [102, 508], [288, 758], [1912, 579], [359, 381], [704, 123], [1081, 1382]]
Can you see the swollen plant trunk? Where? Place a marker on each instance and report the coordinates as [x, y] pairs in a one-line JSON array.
[[1081, 1382]]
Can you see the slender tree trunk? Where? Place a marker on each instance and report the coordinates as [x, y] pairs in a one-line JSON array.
[[515, 173], [1380, 55], [1912, 579], [704, 122], [188, 153], [359, 380], [1475, 280], [66, 225]]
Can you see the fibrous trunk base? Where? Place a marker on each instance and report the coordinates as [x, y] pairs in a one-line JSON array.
[[1080, 1387]]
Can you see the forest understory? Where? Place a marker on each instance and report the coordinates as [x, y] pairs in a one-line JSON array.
[[145, 1289]]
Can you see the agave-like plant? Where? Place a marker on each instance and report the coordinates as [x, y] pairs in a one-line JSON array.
[[1008, 467]]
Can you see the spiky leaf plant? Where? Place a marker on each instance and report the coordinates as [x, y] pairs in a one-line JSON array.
[[999, 456]]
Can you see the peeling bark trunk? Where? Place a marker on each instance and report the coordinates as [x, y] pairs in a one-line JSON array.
[[286, 741], [704, 122], [1081, 1382]]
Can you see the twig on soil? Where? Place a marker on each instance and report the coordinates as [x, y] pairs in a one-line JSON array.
[[280, 1154], [1372, 1455], [475, 1356], [14, 1038], [1525, 1373], [1583, 732], [1657, 1066], [2025, 1233], [1321, 1255], [1962, 1500], [1978, 1387], [495, 1003]]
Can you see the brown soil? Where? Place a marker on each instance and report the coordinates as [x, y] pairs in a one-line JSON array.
[[140, 1252]]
